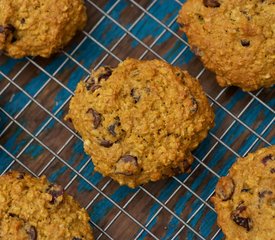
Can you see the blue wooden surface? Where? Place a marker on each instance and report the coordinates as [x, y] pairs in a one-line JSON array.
[[54, 135]]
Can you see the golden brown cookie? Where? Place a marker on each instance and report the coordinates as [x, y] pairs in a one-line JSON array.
[[38, 27], [32, 208], [235, 39], [245, 199], [141, 120]]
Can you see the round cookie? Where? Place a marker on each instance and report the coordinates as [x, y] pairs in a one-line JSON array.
[[38, 27], [32, 208], [245, 199], [141, 120], [235, 39]]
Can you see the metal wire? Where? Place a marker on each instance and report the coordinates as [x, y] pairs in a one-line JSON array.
[[182, 185]]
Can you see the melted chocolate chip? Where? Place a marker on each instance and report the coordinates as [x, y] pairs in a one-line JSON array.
[[241, 208], [129, 159], [211, 3], [245, 43], [262, 194], [272, 170], [112, 127], [22, 20], [106, 143], [225, 188], [134, 95], [266, 159], [32, 233], [96, 117], [10, 28], [55, 191], [127, 165], [244, 222]]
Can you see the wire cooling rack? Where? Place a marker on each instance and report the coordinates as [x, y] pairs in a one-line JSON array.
[[34, 137]]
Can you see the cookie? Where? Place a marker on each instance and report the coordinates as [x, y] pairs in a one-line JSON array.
[[141, 120], [38, 27], [235, 39], [32, 208], [245, 199]]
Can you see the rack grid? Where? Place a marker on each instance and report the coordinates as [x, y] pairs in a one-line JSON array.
[[34, 137]]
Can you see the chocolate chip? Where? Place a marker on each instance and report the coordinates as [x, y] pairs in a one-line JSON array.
[[225, 188], [96, 117], [94, 87], [112, 127], [272, 170], [262, 194], [108, 72], [10, 28], [55, 191], [22, 20], [211, 3], [106, 143], [200, 18], [21, 176], [32, 233], [14, 39], [129, 159], [2, 29], [134, 95], [13, 215], [246, 190], [127, 165], [244, 222], [245, 43], [69, 120], [89, 83], [266, 159], [241, 208], [181, 25]]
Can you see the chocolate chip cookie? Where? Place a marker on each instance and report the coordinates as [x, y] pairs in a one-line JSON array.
[[245, 199], [141, 120], [32, 208], [40, 27], [235, 39]]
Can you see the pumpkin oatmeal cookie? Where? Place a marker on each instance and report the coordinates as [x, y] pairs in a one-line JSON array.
[[245, 199], [141, 120]]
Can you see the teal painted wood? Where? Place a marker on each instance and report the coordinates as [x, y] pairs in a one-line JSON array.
[[184, 204]]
